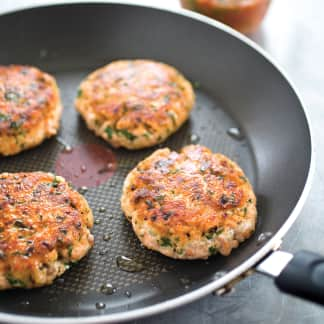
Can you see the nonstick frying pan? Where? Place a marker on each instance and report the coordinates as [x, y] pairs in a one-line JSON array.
[[240, 88]]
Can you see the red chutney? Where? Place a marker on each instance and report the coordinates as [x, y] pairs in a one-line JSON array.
[[86, 165], [243, 15]]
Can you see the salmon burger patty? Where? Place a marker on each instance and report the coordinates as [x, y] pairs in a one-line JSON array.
[[135, 103], [44, 227], [30, 108], [189, 205]]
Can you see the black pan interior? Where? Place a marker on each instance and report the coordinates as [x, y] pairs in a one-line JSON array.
[[238, 88]]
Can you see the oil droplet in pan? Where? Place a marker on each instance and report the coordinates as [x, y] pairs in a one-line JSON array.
[[263, 237], [185, 282], [235, 133], [128, 294], [67, 149], [82, 190], [219, 274], [107, 168], [194, 139], [129, 265], [106, 237], [100, 305], [107, 289], [25, 303]]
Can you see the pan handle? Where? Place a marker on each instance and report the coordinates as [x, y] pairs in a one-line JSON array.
[[301, 274]]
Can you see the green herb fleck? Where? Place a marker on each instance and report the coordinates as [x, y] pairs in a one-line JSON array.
[[97, 122], [127, 134], [19, 223], [4, 117], [166, 99], [245, 211], [12, 96], [55, 182], [16, 124], [212, 250], [173, 118], [79, 94], [165, 241], [70, 249], [109, 131], [219, 231], [213, 231], [159, 198], [149, 204], [147, 135], [180, 251], [209, 235], [17, 253], [250, 201], [243, 178], [14, 282], [174, 171]]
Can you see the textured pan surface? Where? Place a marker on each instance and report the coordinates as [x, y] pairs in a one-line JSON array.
[[235, 90]]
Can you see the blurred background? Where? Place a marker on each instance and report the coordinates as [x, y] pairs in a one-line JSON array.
[[292, 34]]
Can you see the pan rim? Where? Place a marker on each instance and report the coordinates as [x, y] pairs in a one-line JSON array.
[[243, 267]]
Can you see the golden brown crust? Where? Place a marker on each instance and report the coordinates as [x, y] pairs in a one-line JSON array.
[[135, 104], [190, 204], [44, 225], [30, 108]]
